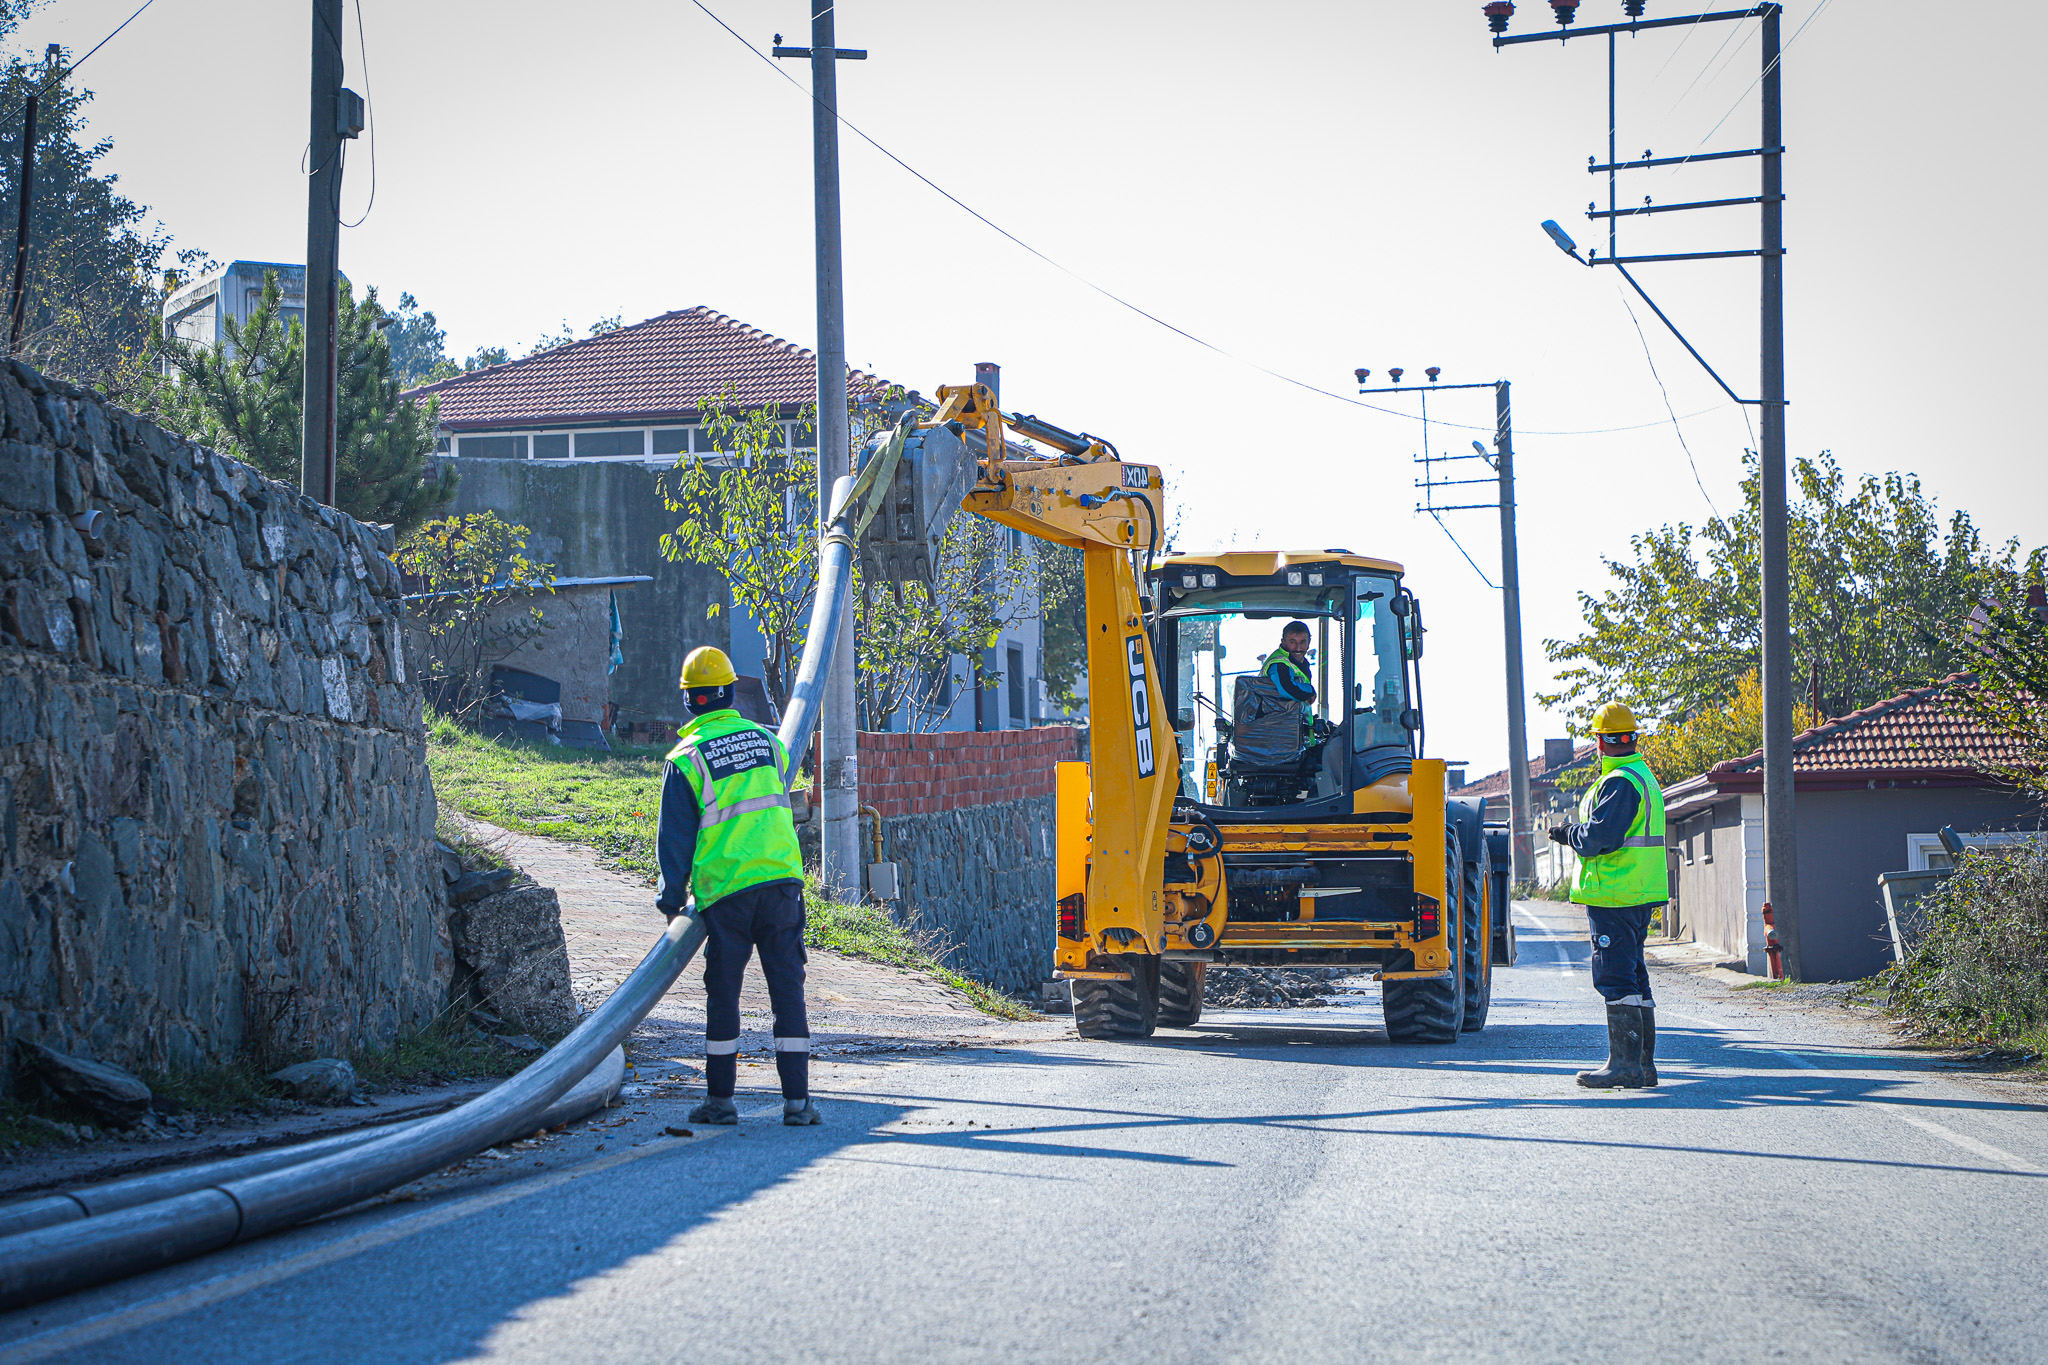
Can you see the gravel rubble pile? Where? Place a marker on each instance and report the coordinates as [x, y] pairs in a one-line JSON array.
[[1251, 988]]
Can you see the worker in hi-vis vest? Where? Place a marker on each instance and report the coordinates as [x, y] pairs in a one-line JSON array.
[[726, 836], [1287, 667], [1622, 878]]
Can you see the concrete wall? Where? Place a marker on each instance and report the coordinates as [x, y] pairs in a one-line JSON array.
[[968, 820], [216, 812], [1714, 889], [1846, 838], [602, 519], [574, 649]]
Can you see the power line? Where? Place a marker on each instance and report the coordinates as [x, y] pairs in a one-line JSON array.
[[1462, 550], [1117, 299], [57, 79], [1818, 11], [370, 106], [1667, 405]]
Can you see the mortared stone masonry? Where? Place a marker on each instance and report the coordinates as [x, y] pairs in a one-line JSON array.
[[216, 823]]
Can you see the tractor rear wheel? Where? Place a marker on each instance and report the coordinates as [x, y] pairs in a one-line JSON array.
[[1180, 992], [1120, 1009], [1478, 955], [1424, 1010]]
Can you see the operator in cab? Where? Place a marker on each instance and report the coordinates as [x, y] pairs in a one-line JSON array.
[[1287, 667], [727, 836], [1622, 879]]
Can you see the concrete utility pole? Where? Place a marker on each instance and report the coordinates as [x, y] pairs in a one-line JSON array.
[[17, 310], [1520, 819], [1781, 871], [323, 242], [1781, 841], [838, 756]]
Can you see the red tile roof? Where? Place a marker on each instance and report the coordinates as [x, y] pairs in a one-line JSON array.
[[653, 371], [1917, 731], [1496, 784]]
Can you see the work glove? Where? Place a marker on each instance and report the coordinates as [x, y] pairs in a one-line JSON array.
[[1561, 834]]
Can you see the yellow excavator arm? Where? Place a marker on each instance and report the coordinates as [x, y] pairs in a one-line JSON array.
[[1088, 497]]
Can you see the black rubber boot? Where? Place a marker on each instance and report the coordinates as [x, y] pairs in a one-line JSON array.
[[1648, 1013], [1624, 1069], [716, 1109]]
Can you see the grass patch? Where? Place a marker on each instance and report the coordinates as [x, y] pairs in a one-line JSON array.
[[868, 932], [1534, 891], [1777, 985], [609, 801], [612, 802]]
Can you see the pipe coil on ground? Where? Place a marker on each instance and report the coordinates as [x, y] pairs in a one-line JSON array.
[[244, 1202]]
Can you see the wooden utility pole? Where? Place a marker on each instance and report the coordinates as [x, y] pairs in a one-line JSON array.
[[333, 118]]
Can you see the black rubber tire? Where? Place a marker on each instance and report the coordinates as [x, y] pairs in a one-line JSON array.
[[1478, 954], [1120, 1009], [1429, 1011], [1180, 993]]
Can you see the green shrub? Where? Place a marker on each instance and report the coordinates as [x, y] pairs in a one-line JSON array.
[[1980, 970]]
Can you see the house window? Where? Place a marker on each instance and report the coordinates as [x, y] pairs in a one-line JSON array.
[[441, 444], [1013, 681], [1707, 837], [553, 446], [492, 448], [1925, 852], [671, 440], [610, 445]]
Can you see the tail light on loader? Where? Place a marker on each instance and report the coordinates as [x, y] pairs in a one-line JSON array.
[[1070, 917], [1429, 917]]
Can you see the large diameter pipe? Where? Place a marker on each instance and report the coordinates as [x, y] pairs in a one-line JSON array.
[[835, 590], [56, 1260], [79, 1202]]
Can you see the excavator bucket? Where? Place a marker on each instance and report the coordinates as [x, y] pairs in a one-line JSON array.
[[910, 484]]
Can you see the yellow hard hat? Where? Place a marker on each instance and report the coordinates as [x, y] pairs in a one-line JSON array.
[[1614, 719], [707, 666]]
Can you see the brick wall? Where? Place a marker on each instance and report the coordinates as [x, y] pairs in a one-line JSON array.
[[928, 774]]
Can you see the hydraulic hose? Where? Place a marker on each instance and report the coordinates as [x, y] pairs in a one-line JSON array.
[[252, 1197]]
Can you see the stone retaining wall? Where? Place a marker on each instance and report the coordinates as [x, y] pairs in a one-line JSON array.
[[216, 822], [968, 820]]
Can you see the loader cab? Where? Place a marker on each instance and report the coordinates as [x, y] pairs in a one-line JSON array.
[[1246, 745]]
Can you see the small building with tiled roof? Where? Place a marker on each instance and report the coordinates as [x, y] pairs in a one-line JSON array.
[[1872, 791], [569, 442], [629, 394], [1558, 756]]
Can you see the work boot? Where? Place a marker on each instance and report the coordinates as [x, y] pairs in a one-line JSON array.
[[716, 1109], [801, 1113], [1624, 1069], [1648, 1014]]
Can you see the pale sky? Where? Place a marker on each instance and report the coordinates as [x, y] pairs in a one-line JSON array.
[[1309, 185]]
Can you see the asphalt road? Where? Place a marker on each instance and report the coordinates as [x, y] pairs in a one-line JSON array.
[[1265, 1187]]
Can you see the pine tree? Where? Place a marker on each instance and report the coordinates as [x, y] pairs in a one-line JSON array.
[[246, 397]]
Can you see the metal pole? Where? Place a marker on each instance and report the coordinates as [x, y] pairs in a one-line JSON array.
[[18, 307], [323, 240], [839, 761], [1520, 820], [1781, 872], [1613, 218]]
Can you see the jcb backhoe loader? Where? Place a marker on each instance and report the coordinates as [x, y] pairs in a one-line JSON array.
[[1220, 821]]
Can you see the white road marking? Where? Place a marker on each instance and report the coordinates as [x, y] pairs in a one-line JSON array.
[[1927, 1125], [1923, 1123], [84, 1333]]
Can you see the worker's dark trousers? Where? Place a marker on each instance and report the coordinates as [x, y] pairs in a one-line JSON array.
[[770, 918], [1618, 967]]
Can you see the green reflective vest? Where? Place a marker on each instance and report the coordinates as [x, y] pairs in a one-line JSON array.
[[745, 835], [1636, 873], [1286, 661]]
